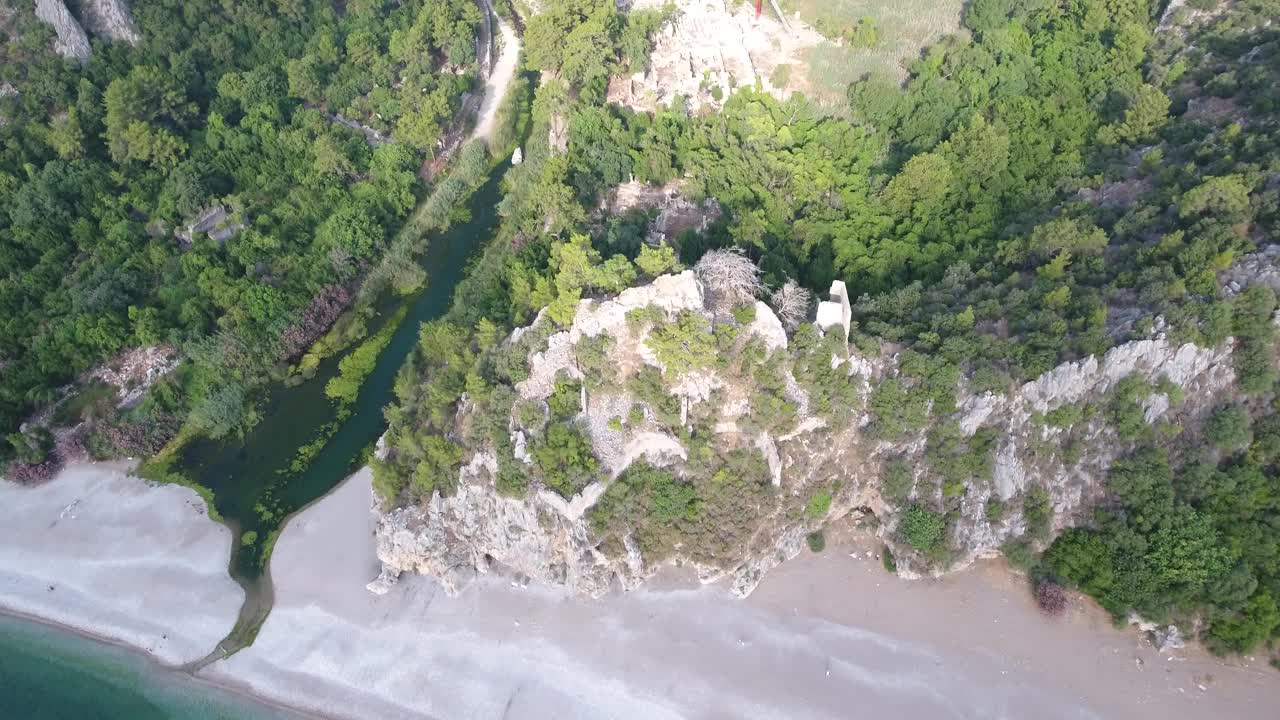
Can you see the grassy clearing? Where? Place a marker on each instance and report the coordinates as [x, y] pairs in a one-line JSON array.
[[903, 28]]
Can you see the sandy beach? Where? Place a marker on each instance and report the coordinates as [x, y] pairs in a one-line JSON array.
[[825, 636], [115, 557]]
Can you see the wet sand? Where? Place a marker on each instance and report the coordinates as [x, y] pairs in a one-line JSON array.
[[823, 637], [114, 557]]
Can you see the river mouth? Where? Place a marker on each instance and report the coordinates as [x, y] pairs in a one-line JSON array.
[[253, 486]]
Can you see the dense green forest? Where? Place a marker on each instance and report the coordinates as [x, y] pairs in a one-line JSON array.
[[221, 105], [1040, 190]]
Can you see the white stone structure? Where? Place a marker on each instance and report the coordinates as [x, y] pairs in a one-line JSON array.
[[836, 312]]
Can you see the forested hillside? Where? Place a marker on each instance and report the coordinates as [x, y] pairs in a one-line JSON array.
[[197, 191], [1064, 179]]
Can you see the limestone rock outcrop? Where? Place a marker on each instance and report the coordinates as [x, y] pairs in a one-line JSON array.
[[110, 19], [547, 539], [72, 42]]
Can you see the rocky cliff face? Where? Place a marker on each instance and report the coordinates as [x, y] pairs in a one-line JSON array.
[[72, 41], [108, 19], [549, 539]]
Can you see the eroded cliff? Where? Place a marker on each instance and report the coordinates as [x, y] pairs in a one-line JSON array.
[[719, 440]]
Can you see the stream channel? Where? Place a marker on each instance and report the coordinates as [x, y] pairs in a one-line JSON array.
[[250, 474]]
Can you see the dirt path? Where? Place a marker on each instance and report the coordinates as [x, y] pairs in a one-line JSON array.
[[500, 76]]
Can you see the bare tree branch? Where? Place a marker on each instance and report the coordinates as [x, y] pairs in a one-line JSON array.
[[730, 276], [791, 302]]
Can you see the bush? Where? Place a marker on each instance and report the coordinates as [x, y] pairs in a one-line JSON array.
[[817, 541], [684, 345], [995, 510], [1065, 416], [1019, 553], [1051, 597], [898, 409], [898, 481], [648, 387], [1124, 410], [922, 529], [1037, 511], [565, 400], [1230, 429], [32, 447], [819, 505], [513, 480], [887, 559], [565, 460]]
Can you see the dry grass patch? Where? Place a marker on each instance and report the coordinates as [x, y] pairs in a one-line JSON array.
[[902, 29]]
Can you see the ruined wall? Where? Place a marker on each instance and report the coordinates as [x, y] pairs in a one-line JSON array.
[[709, 50]]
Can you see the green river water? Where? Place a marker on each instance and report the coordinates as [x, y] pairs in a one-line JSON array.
[[47, 673]]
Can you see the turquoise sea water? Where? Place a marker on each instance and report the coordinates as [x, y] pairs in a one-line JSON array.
[[51, 674]]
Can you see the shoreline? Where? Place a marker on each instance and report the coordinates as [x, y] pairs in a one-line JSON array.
[[104, 552], [228, 687], [971, 643]]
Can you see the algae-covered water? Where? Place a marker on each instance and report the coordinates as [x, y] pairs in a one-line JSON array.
[[52, 674], [249, 477]]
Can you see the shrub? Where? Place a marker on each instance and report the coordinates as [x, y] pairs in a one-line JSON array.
[[898, 409], [1051, 597], [249, 538], [995, 510], [898, 481], [817, 541], [1019, 553], [1229, 429], [593, 360], [657, 261], [530, 415], [1065, 416], [819, 505], [922, 529], [1037, 511], [638, 319], [565, 400], [33, 446], [650, 504], [887, 559], [781, 76], [1124, 410], [684, 345], [648, 387], [512, 479], [565, 460]]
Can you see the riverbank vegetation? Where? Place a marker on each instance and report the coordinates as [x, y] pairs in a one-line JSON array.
[[222, 188], [1061, 180]]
